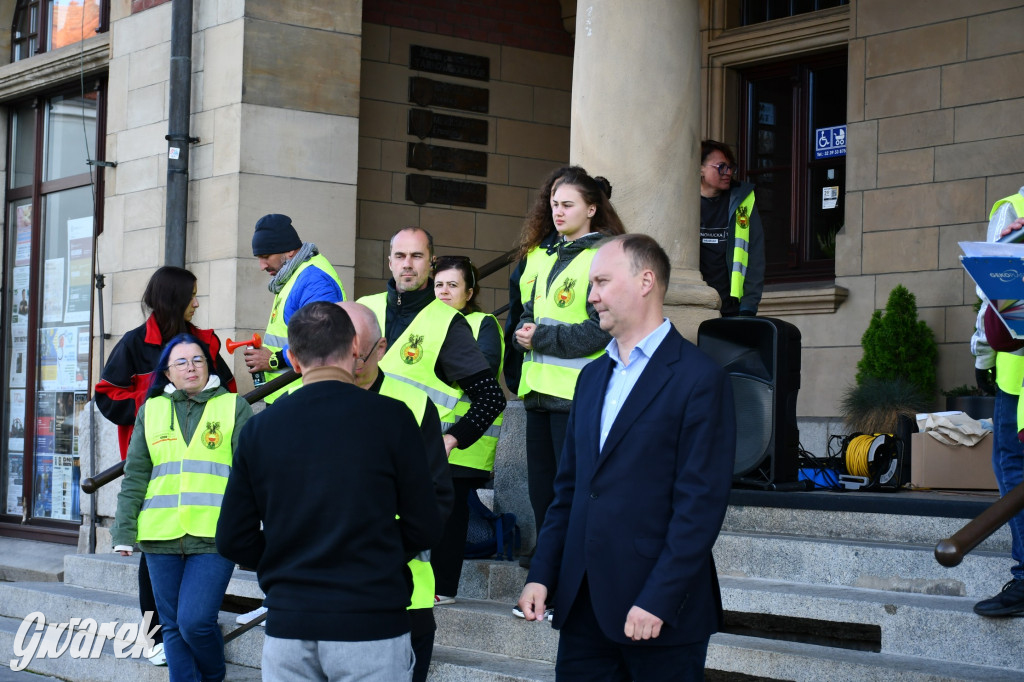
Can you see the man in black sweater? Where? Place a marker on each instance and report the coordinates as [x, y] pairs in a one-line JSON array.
[[326, 470]]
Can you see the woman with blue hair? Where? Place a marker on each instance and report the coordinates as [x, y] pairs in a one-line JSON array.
[[177, 467]]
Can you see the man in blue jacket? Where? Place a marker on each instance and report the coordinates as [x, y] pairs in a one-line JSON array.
[[300, 274], [641, 490]]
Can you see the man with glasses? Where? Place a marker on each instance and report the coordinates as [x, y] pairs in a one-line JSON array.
[[430, 345], [372, 346], [731, 237]]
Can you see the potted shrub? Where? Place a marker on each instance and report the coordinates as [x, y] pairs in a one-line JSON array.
[[970, 400], [896, 375]]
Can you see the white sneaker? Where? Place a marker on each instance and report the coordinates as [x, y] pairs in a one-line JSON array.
[[441, 600], [518, 613], [252, 615], [156, 655]]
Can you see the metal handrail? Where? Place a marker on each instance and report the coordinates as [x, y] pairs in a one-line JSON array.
[[952, 550], [94, 483]]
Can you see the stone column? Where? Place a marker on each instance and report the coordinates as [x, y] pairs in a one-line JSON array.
[[636, 121]]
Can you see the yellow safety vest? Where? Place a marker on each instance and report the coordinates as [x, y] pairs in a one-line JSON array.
[[422, 573], [187, 484], [479, 455], [565, 302], [276, 336], [741, 246], [535, 258], [1010, 367], [413, 357]]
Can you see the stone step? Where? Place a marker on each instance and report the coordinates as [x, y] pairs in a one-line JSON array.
[[934, 627], [452, 664], [106, 666], [915, 529], [116, 573], [60, 602], [858, 563], [799, 662]]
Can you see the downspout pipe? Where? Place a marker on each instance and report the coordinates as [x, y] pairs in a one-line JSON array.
[[178, 139]]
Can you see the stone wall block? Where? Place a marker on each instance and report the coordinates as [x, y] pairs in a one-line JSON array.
[[149, 66], [551, 106], [986, 121], [913, 167], [979, 159], [855, 60], [374, 185], [994, 34], [518, 138], [386, 120], [915, 131], [371, 255], [117, 94], [223, 75], [147, 105], [227, 152], [511, 100], [294, 74], [849, 240], [982, 80], [498, 232], [536, 68], [862, 158], [506, 200], [318, 147], [883, 16], [450, 227], [216, 217], [917, 48], [903, 93], [950, 237], [901, 250], [142, 142], [935, 288], [135, 176], [945, 203], [337, 17], [141, 210], [141, 31], [817, 398], [380, 221]]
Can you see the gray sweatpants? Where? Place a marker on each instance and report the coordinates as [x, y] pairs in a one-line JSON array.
[[304, 660]]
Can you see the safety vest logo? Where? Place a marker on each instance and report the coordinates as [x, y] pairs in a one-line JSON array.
[[273, 313], [212, 436], [566, 294], [741, 216], [412, 352]]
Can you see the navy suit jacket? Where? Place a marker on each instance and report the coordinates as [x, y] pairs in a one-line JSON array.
[[640, 516]]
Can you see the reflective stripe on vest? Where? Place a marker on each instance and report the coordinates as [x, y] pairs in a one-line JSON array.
[[186, 486], [565, 302], [422, 573], [479, 455], [412, 357], [741, 246], [276, 336]]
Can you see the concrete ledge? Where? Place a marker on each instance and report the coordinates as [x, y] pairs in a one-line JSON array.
[[32, 560]]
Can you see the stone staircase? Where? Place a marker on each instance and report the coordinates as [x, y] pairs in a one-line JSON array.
[[809, 594]]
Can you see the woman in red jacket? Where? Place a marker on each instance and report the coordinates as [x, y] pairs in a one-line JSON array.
[[170, 299]]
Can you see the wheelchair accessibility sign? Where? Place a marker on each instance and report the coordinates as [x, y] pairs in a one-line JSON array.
[[830, 142]]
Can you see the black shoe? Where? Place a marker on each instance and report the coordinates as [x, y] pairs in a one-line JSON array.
[[1009, 601], [524, 561]]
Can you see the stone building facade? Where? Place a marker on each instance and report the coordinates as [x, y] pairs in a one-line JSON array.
[[319, 111]]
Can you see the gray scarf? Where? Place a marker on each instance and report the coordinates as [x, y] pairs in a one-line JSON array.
[[278, 281]]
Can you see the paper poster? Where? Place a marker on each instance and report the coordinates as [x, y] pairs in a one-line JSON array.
[[16, 421], [23, 248], [42, 486], [64, 424], [15, 482], [19, 295], [80, 401], [45, 409], [53, 290], [62, 496], [829, 197], [77, 308], [58, 359]]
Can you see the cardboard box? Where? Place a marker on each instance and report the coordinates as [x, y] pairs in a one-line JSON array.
[[935, 465]]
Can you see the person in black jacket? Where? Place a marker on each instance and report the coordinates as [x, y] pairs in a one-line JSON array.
[[327, 470]]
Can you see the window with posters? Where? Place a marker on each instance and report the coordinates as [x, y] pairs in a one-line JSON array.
[[49, 237]]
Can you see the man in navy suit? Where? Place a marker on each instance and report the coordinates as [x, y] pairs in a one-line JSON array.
[[641, 490]]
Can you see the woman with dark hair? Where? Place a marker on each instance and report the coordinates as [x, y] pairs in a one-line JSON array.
[[456, 282], [175, 474], [540, 237], [559, 331], [731, 237], [170, 298]]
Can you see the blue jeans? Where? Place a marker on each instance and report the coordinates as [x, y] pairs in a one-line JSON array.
[[189, 590], [1008, 464]]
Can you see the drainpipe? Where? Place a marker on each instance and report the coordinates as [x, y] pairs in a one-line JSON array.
[[178, 139]]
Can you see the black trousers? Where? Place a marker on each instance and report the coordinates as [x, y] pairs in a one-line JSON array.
[[446, 558], [545, 437]]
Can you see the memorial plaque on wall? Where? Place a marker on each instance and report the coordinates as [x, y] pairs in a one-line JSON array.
[[424, 123], [447, 159], [426, 93], [424, 189], [449, 63]]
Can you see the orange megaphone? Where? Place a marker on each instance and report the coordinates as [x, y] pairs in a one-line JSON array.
[[256, 341]]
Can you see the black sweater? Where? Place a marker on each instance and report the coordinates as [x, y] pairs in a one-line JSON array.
[[326, 469]]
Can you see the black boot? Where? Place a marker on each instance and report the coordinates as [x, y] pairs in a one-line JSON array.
[[1009, 601]]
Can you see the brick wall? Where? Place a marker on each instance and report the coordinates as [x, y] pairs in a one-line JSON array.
[[529, 24]]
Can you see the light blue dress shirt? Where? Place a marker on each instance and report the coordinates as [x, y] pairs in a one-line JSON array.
[[624, 377]]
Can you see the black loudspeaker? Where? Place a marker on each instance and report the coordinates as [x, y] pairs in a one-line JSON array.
[[762, 358]]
